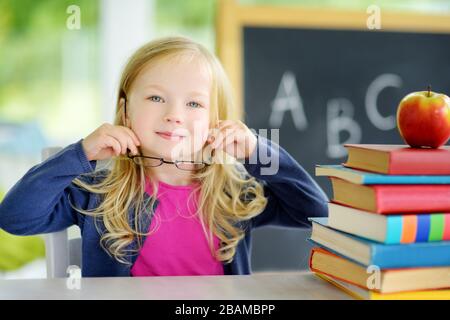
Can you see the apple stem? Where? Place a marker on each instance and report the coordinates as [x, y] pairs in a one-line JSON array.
[[429, 90]]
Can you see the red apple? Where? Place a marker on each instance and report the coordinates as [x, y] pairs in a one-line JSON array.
[[423, 119]]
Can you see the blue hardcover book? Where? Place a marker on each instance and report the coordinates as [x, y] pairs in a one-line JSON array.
[[364, 177], [385, 256]]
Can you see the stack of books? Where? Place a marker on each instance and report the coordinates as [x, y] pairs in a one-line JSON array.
[[387, 235]]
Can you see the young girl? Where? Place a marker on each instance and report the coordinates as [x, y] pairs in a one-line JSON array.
[[181, 197]]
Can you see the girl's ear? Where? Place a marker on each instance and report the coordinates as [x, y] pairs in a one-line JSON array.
[[207, 153]]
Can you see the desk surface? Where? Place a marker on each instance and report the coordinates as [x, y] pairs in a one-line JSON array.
[[292, 285]]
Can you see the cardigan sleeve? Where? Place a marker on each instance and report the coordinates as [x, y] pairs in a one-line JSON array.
[[292, 193], [40, 202]]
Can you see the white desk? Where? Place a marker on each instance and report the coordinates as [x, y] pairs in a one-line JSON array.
[[292, 285]]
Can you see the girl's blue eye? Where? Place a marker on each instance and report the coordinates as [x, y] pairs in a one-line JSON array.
[[155, 99], [197, 105]]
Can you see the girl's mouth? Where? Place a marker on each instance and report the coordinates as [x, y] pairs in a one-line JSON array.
[[169, 136]]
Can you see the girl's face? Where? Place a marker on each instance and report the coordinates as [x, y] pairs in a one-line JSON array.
[[169, 106]]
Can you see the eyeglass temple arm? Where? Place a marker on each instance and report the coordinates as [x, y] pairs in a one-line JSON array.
[[124, 96]]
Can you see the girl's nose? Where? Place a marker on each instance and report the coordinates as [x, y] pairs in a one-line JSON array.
[[173, 118]]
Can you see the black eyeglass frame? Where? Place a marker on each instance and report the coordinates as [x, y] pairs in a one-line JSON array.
[[161, 161], [124, 96]]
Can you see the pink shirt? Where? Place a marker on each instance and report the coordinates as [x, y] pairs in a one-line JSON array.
[[179, 246]]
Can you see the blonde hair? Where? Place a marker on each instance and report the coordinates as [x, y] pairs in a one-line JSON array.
[[226, 195]]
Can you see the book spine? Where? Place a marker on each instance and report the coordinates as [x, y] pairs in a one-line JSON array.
[[418, 228], [319, 271], [412, 198], [422, 162], [408, 180], [447, 228], [411, 255], [313, 251], [398, 256]]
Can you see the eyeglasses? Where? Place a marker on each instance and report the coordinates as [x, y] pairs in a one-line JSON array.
[[150, 162]]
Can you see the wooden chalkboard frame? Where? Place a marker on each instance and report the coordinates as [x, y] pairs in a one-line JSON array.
[[232, 17]]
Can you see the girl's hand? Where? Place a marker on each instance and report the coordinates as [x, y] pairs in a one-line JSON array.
[[233, 137], [109, 140]]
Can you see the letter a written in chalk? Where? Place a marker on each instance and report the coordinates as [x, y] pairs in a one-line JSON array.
[[288, 99]]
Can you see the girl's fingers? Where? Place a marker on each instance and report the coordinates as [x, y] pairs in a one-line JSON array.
[[123, 139], [223, 123], [231, 123], [218, 133], [114, 144], [228, 124], [120, 136], [216, 137], [224, 132], [131, 146], [131, 140], [227, 138], [133, 136]]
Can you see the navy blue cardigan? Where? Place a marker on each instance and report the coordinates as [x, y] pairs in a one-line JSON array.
[[40, 203]]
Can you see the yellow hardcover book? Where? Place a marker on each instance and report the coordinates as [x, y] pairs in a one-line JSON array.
[[364, 294]]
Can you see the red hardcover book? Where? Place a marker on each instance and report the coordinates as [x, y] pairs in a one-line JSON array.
[[396, 199], [398, 159]]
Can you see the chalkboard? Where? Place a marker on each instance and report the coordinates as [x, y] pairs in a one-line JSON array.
[[324, 88], [322, 79]]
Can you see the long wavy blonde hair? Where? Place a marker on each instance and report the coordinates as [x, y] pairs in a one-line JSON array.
[[226, 194]]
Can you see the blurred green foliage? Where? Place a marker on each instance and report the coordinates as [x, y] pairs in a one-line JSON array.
[[16, 251], [30, 53], [408, 5], [185, 13], [22, 17]]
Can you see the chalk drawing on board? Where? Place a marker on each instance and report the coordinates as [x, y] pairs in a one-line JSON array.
[[340, 113], [288, 99], [374, 89]]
